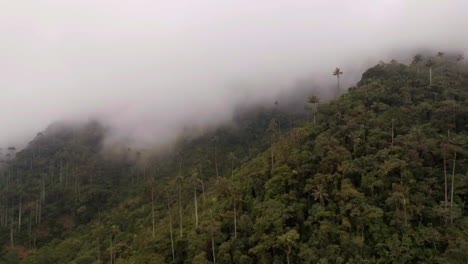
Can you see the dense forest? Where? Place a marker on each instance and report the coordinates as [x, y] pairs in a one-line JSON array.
[[378, 175]]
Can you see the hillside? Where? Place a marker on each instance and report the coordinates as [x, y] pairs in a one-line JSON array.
[[380, 176]]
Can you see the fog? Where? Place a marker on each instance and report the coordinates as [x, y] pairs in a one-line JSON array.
[[150, 68]]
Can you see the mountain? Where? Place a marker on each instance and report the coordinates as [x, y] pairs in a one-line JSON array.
[[378, 176]]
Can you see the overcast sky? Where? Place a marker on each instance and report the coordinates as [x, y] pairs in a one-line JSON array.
[[151, 67]]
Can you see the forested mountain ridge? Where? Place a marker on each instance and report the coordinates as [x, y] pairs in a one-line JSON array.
[[376, 176]]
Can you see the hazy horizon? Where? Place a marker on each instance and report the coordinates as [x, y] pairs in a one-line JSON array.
[[150, 68]]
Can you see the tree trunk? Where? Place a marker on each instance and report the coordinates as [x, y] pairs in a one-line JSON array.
[[213, 247], [445, 176], [111, 255], [60, 172], [152, 207], [170, 231], [36, 212], [216, 162], [19, 215], [235, 219], [29, 230], [203, 186], [453, 183], [196, 204], [272, 158], [180, 209], [404, 209], [40, 213], [12, 242], [393, 133], [203, 192], [338, 88], [34, 238], [430, 75], [43, 190]]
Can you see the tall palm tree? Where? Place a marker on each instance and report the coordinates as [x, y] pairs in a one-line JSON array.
[[314, 100], [430, 63], [337, 72], [320, 194], [453, 182], [273, 130], [195, 199], [215, 140], [440, 54], [180, 180], [417, 59], [170, 229]]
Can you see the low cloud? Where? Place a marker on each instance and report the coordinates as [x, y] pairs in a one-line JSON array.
[[150, 68]]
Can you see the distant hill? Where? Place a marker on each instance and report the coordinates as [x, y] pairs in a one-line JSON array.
[[379, 176]]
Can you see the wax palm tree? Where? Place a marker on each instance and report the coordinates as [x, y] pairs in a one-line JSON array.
[[440, 54], [417, 59], [314, 100], [430, 63], [337, 72]]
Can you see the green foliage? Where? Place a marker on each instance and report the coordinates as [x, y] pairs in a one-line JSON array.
[[364, 182]]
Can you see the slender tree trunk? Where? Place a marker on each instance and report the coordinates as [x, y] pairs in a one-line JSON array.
[[445, 177], [180, 210], [12, 242], [393, 133], [314, 115], [213, 247], [202, 185], [453, 183], [196, 204], [216, 162], [3, 215], [36, 212], [272, 158], [34, 238], [404, 209], [19, 215], [60, 172], [287, 254], [232, 168], [170, 231], [338, 87], [430, 75], [152, 208], [111, 255], [235, 219], [40, 213], [29, 230], [203, 192], [43, 195]]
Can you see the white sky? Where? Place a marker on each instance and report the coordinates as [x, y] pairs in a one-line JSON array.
[[150, 67]]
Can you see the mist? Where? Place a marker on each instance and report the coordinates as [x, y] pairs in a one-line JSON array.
[[147, 69]]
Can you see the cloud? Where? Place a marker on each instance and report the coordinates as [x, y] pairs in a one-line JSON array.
[[149, 68]]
